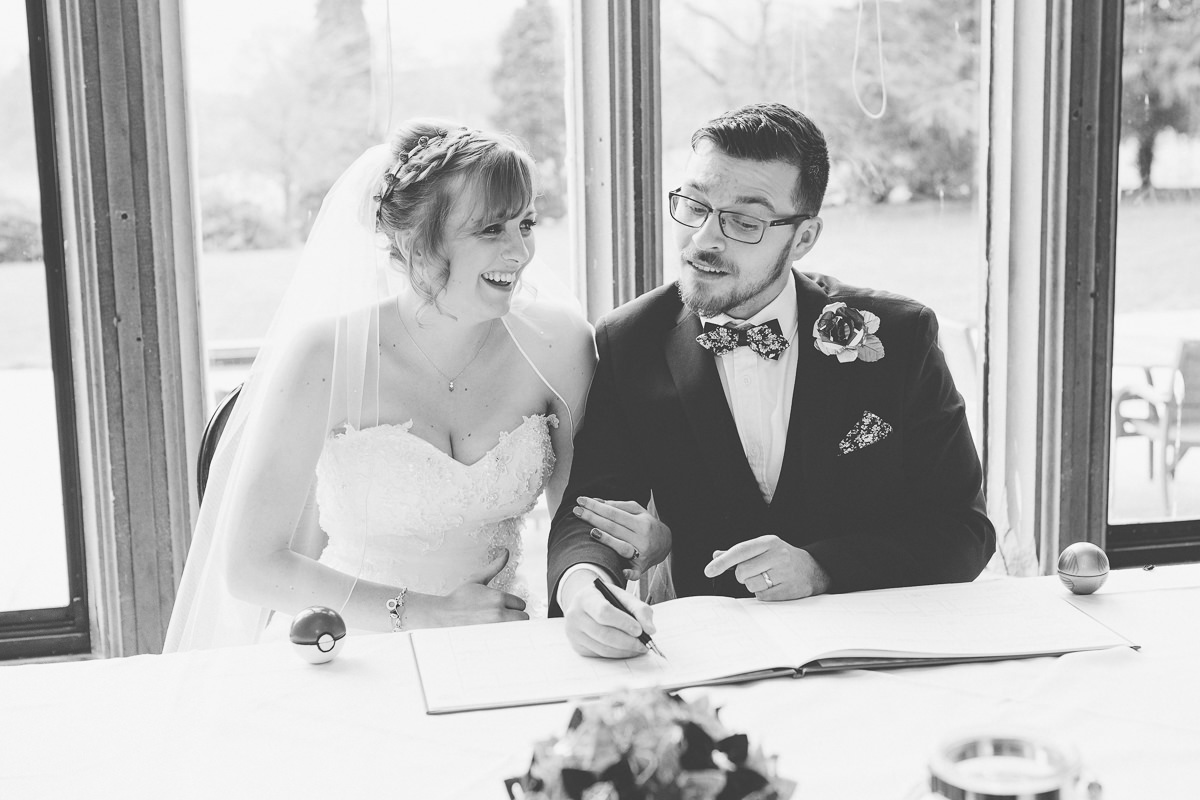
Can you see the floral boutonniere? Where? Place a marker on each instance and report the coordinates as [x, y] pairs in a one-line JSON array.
[[847, 333]]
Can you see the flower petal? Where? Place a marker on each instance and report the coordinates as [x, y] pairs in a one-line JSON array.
[[846, 356], [872, 321], [871, 349], [829, 348], [854, 315]]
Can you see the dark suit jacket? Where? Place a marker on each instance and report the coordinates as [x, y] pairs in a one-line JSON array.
[[906, 510]]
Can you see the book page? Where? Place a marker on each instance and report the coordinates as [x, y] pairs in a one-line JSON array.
[[707, 639], [524, 663], [1005, 617]]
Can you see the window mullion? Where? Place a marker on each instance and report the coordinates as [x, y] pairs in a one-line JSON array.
[[618, 152], [637, 142], [134, 272], [1093, 125], [1021, 329]]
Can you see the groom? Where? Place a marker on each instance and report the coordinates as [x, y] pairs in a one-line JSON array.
[[798, 435]]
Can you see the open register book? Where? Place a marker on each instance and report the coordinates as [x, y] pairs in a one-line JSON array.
[[709, 640]]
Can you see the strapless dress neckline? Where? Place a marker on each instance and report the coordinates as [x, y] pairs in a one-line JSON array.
[[406, 427]]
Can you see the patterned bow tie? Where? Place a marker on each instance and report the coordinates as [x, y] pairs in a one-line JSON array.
[[765, 339]]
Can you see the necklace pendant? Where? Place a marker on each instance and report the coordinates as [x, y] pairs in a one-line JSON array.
[[451, 386]]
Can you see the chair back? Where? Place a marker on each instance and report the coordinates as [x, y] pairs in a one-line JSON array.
[[212, 435], [1188, 377]]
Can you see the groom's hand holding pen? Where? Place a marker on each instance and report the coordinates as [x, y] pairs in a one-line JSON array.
[[643, 637], [596, 626]]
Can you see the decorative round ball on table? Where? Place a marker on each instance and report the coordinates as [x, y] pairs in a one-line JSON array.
[[317, 634], [1083, 567]]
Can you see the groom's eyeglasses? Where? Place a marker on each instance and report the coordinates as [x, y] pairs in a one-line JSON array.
[[739, 227]]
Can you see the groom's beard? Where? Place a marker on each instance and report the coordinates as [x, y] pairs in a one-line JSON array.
[[704, 300]]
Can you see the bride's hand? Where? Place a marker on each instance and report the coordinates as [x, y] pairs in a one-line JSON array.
[[629, 529], [474, 601]]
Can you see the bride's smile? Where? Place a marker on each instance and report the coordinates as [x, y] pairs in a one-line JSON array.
[[487, 255]]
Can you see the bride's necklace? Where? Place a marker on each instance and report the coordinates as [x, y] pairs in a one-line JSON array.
[[449, 379]]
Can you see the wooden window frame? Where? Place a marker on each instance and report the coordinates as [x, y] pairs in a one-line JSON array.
[[54, 632], [615, 135], [1101, 42], [1057, 442], [118, 136]]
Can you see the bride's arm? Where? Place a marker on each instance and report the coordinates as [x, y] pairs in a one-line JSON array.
[[268, 494]]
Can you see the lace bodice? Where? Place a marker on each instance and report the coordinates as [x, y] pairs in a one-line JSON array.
[[400, 511]]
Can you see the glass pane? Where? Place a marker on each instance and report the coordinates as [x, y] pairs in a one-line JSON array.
[[900, 109], [33, 561], [288, 97], [1156, 332]]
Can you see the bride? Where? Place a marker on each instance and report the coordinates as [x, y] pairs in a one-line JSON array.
[[411, 401]]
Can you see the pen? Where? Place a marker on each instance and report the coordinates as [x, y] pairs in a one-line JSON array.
[[643, 637]]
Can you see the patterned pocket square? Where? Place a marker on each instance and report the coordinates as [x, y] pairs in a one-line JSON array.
[[866, 432]]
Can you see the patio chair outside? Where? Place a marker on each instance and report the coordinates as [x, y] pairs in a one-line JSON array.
[[1168, 417]]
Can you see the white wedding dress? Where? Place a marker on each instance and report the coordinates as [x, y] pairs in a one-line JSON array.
[[399, 511], [394, 508]]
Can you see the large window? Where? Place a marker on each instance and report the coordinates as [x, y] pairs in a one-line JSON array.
[[42, 591], [282, 95], [897, 89], [291, 95], [1154, 473], [898, 96]]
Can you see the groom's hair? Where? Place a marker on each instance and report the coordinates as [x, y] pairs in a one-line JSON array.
[[774, 132]]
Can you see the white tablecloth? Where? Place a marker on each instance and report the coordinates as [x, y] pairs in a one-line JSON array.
[[260, 722]]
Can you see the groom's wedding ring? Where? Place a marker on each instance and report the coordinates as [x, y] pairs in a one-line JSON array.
[[767, 578]]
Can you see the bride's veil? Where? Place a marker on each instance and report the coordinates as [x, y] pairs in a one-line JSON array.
[[344, 281]]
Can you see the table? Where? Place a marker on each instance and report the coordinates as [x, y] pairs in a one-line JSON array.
[[259, 722]]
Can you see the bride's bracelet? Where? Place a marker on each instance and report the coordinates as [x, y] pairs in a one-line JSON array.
[[395, 607]]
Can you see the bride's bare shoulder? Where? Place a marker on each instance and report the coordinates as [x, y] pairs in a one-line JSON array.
[[304, 359], [316, 341], [553, 324]]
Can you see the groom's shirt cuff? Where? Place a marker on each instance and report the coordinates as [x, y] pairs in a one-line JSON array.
[[600, 572]]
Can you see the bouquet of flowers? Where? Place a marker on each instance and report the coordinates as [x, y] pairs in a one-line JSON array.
[[648, 745]]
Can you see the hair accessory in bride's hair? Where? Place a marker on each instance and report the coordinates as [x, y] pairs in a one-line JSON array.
[[428, 155]]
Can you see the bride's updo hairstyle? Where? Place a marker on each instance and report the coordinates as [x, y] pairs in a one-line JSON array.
[[435, 162]]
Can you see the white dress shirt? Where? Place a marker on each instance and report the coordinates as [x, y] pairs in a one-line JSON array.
[[759, 393]]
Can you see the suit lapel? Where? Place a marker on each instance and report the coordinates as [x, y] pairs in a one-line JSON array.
[[820, 398], [694, 372]]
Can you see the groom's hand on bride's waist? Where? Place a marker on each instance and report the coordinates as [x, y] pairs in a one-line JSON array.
[[594, 627]]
